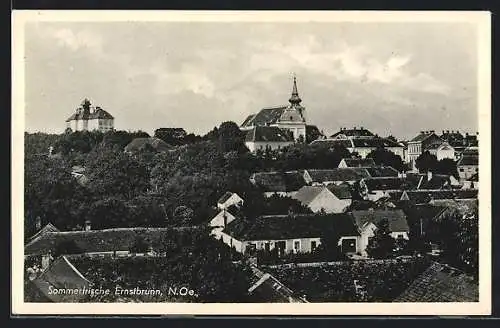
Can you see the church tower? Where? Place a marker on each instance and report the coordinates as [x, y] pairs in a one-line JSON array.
[[293, 118]]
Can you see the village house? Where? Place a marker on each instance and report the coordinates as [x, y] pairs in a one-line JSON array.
[[225, 216], [265, 138], [90, 118], [335, 176], [368, 221], [418, 145], [361, 146], [288, 117], [435, 196], [468, 164], [441, 150], [432, 181], [374, 189], [278, 183], [229, 199], [459, 141], [328, 199], [291, 233], [357, 162]]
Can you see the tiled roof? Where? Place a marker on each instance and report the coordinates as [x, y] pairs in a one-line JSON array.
[[338, 174], [278, 181], [437, 181], [425, 196], [386, 183], [119, 239], [49, 227], [354, 132], [422, 137], [268, 134], [374, 143], [359, 162], [225, 197], [332, 143], [61, 274], [381, 171], [307, 194], [285, 227], [441, 283], [264, 117], [139, 143], [341, 191], [424, 212], [98, 113], [468, 160], [396, 219]]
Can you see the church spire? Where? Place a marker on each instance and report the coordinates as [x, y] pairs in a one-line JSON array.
[[295, 99]]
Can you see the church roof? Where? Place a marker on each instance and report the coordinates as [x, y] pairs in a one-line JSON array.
[[268, 134], [266, 116]]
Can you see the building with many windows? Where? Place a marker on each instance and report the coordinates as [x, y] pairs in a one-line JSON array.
[[90, 118]]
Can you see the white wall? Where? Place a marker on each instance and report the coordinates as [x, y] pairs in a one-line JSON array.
[[218, 220], [254, 146], [234, 199], [329, 202]]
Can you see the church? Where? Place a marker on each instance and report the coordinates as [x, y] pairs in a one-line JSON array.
[[90, 118], [288, 117]]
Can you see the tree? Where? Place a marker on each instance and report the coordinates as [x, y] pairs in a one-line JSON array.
[[426, 162], [382, 156], [447, 166], [140, 245], [231, 138], [312, 133], [381, 245]]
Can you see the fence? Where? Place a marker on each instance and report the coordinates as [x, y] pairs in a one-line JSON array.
[[320, 264]]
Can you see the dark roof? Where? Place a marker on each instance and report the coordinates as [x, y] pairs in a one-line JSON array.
[[381, 171], [374, 143], [354, 132], [441, 283], [386, 183], [97, 113], [425, 212], [341, 191], [472, 160], [338, 174], [49, 227], [437, 181], [61, 274], [285, 227], [396, 218], [140, 143], [435, 145], [268, 134], [225, 197], [359, 162], [425, 196], [422, 136], [119, 239], [264, 117], [307, 194], [332, 143], [279, 181]]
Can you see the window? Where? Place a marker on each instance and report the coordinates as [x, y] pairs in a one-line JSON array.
[[313, 245], [296, 246]]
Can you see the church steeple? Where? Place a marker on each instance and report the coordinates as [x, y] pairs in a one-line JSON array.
[[295, 99]]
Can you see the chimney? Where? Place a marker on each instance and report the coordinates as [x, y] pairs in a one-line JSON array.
[[38, 223], [88, 225], [429, 175]]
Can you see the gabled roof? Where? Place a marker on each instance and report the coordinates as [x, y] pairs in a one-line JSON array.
[[225, 197], [441, 283], [396, 219], [359, 162], [437, 145], [140, 143], [386, 183], [422, 136], [381, 171], [354, 132], [61, 274], [425, 196], [279, 227], [268, 134], [264, 117], [108, 240], [307, 194], [437, 181], [338, 174], [278, 181], [97, 113], [49, 227], [424, 212]]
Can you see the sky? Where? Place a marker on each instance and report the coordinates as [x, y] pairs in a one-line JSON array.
[[392, 78]]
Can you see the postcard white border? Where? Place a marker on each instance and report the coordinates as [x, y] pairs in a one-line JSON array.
[[482, 19]]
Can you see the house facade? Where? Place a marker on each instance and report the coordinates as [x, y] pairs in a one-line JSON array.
[[264, 138], [468, 164], [90, 118], [419, 144], [229, 199], [441, 151]]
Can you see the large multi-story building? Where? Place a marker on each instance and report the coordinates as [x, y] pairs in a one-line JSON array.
[[90, 118]]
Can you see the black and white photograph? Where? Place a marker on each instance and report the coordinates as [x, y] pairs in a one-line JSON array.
[[239, 162]]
